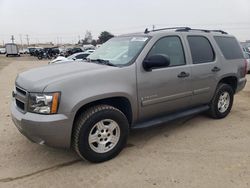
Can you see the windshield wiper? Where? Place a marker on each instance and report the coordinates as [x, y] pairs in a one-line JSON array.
[[102, 61]]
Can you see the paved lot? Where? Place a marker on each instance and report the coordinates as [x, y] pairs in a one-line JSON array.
[[194, 152]]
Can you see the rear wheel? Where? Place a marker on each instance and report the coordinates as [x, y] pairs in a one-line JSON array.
[[100, 133], [222, 101]]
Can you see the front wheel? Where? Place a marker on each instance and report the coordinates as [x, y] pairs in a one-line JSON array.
[[222, 102], [100, 133]]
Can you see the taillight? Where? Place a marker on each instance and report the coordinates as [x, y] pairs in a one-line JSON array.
[[245, 67]]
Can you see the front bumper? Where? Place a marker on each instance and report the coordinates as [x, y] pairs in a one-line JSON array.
[[241, 84], [52, 130]]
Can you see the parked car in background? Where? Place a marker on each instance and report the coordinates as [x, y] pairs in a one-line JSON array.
[[44, 54], [52, 52], [33, 51], [38, 51], [71, 51], [247, 56], [55, 51], [24, 51], [2, 51], [88, 47], [12, 50], [246, 48], [75, 57]]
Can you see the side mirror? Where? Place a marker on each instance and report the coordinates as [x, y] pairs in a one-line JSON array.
[[74, 59], [156, 61]]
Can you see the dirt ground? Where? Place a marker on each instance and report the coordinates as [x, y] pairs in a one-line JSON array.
[[193, 152]]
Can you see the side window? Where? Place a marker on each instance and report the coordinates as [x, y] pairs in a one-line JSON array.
[[229, 47], [201, 49], [172, 47], [81, 56]]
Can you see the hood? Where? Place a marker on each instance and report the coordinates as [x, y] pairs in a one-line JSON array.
[[59, 58], [35, 80]]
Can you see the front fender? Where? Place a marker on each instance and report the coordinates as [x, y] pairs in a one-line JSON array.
[[91, 99]]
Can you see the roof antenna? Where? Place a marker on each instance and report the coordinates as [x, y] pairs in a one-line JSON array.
[[146, 31]]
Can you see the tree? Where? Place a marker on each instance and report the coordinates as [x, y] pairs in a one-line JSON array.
[[105, 36], [88, 38], [94, 42]]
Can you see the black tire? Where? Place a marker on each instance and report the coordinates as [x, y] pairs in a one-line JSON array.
[[84, 124], [214, 110]]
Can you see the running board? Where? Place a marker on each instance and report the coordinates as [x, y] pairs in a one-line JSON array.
[[170, 117]]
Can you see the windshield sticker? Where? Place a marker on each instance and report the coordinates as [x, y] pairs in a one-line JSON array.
[[139, 39]]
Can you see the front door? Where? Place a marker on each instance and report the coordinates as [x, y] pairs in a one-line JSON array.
[[165, 90]]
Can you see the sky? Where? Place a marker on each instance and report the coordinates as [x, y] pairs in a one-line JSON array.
[[62, 21]]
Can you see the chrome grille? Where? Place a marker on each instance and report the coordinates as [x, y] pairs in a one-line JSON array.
[[21, 91], [20, 105], [21, 98]]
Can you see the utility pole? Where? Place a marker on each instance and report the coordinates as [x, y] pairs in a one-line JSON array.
[[79, 38], [28, 40], [153, 26], [12, 38], [21, 40]]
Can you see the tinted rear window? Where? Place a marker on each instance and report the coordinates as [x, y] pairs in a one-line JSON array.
[[229, 47], [201, 49]]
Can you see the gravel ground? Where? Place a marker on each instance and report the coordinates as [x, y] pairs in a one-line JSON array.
[[192, 152]]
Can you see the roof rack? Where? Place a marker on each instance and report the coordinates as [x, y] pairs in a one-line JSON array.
[[203, 30], [185, 29], [167, 28]]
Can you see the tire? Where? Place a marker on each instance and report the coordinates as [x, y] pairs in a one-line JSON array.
[[222, 102], [87, 127]]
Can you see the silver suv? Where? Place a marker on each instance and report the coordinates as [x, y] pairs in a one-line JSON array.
[[132, 81]]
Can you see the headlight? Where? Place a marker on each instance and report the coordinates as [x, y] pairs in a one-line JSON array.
[[44, 103]]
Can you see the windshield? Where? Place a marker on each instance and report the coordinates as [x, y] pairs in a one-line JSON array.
[[119, 51]]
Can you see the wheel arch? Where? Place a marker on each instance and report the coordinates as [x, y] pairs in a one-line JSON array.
[[231, 80], [120, 102]]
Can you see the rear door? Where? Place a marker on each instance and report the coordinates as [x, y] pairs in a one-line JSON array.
[[205, 68], [165, 90]]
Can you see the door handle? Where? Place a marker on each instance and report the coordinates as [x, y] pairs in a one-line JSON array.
[[183, 75], [215, 69]]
